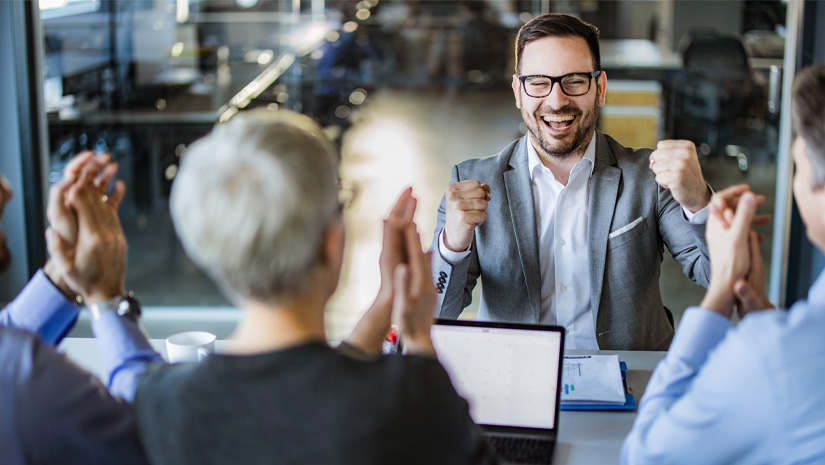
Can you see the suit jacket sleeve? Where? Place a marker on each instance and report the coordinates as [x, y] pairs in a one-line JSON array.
[[454, 283], [691, 251], [63, 414]]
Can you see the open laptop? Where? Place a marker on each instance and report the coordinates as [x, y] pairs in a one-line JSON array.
[[510, 375]]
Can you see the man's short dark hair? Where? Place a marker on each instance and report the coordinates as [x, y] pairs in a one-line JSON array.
[[809, 115], [558, 25]]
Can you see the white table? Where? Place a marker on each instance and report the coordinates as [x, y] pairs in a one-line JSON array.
[[596, 437], [585, 438]]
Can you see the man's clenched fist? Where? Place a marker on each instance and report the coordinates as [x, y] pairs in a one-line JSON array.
[[466, 209], [676, 166]]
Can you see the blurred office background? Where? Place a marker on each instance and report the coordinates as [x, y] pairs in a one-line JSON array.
[[406, 88]]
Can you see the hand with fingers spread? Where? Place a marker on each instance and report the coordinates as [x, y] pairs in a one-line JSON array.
[[414, 297], [91, 258], [676, 166], [728, 236], [370, 332], [466, 209]]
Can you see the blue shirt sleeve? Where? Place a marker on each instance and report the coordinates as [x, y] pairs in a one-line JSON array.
[[126, 352], [41, 309], [707, 401]]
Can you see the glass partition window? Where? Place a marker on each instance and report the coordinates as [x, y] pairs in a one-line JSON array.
[[406, 89], [50, 9]]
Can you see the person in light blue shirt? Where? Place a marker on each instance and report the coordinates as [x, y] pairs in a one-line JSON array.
[[51, 410], [752, 393]]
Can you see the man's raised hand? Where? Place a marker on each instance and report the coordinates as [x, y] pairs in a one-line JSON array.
[[676, 166], [466, 209]]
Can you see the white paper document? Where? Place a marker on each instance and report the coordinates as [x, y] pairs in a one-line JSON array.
[[592, 379]]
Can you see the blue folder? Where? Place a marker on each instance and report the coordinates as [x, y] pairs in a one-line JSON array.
[[629, 404]]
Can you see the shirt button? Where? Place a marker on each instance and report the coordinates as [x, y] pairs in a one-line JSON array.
[[563, 195], [561, 242], [563, 288]]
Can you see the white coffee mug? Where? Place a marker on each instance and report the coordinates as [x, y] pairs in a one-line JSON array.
[[191, 346]]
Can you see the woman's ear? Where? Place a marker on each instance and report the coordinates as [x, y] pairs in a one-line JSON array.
[[332, 247]]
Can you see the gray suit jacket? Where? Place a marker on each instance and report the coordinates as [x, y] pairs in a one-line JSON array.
[[624, 269]]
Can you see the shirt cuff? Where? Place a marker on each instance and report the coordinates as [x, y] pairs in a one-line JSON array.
[[451, 257], [700, 217], [700, 331], [122, 343], [42, 309]]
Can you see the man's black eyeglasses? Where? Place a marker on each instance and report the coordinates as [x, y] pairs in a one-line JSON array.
[[573, 84]]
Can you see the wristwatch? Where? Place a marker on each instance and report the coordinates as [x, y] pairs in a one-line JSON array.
[[126, 306]]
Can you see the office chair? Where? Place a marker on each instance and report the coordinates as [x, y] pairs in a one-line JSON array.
[[712, 94]]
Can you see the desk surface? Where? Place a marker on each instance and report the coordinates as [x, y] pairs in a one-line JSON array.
[[584, 437]]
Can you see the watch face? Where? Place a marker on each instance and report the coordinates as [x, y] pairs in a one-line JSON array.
[[129, 307], [123, 307]]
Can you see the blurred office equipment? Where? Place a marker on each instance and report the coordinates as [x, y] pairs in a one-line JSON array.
[[633, 113], [712, 95]]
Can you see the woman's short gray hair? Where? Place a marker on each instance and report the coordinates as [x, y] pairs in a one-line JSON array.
[[252, 201]]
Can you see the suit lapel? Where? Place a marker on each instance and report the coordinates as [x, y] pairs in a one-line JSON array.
[[520, 200], [604, 189]]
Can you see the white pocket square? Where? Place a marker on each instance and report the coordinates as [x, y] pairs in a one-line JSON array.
[[625, 229]]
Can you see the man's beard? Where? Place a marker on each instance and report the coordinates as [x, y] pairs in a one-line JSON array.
[[581, 137]]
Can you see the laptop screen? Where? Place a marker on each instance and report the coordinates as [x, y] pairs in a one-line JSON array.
[[508, 375]]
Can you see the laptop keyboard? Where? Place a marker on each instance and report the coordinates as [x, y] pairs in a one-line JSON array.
[[522, 450]]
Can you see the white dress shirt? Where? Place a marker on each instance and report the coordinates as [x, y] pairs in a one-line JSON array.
[[562, 219], [562, 214]]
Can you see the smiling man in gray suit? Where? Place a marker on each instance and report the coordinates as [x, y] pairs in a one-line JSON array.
[[565, 225]]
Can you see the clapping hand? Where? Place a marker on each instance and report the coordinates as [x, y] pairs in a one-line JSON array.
[[749, 291], [407, 295], [370, 332], [85, 239], [414, 297], [734, 253]]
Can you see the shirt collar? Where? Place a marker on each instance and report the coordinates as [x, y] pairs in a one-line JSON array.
[[533, 160]]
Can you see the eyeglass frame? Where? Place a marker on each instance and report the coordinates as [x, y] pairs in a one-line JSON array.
[[558, 79]]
